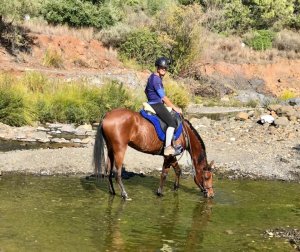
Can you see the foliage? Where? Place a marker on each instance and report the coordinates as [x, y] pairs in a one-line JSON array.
[[52, 59], [288, 41], [287, 94], [177, 93], [34, 97], [143, 46], [114, 36], [234, 17], [180, 31], [78, 13], [14, 105], [17, 9], [270, 13], [260, 40], [237, 16]]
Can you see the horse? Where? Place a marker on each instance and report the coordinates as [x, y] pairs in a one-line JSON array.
[[122, 127]]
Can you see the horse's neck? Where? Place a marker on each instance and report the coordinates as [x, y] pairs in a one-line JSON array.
[[196, 145]]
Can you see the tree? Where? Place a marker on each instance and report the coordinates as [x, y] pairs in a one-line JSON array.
[[270, 13]]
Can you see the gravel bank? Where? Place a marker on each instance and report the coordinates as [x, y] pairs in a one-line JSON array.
[[239, 149]]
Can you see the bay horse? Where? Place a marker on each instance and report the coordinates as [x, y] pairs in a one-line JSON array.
[[122, 127]]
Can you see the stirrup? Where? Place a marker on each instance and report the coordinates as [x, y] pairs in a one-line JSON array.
[[171, 151]]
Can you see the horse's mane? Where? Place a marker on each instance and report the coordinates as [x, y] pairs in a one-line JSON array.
[[202, 154]]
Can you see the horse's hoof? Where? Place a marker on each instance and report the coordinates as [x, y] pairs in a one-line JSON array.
[[159, 193], [125, 196]]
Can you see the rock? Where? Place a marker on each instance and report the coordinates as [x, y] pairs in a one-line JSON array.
[[281, 121], [83, 129], [76, 140], [6, 132], [45, 172], [68, 128], [266, 119], [59, 140], [246, 96], [294, 101], [54, 125], [242, 116], [285, 110], [42, 129], [274, 107], [204, 121], [86, 140]]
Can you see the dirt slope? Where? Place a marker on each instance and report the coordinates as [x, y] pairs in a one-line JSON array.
[[91, 57]]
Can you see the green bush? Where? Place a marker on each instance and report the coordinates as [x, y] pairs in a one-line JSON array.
[[180, 31], [177, 93], [14, 109], [78, 13], [143, 46], [260, 40], [287, 94], [17, 9], [24, 100]]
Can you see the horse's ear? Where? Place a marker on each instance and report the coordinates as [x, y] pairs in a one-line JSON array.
[[212, 164]]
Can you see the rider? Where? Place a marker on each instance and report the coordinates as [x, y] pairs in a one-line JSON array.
[[156, 98]]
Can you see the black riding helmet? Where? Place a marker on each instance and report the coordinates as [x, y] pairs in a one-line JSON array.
[[162, 62]]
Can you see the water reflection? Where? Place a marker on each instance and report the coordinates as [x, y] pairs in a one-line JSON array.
[[113, 235], [201, 215]]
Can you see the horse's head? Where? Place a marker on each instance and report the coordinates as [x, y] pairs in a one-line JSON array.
[[207, 181]]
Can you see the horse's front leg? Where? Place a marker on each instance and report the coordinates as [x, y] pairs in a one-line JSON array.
[[177, 171], [164, 173]]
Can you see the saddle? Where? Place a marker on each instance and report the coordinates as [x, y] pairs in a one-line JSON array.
[[160, 126]]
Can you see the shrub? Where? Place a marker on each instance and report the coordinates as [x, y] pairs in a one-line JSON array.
[[23, 100], [177, 93], [260, 40], [14, 105], [288, 41], [17, 9], [180, 29], [52, 59], [287, 94], [78, 14], [35, 82], [114, 36], [143, 46]]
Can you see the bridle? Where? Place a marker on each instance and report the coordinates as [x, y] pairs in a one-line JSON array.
[[203, 188], [188, 147]]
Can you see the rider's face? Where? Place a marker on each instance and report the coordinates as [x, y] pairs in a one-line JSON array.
[[161, 71]]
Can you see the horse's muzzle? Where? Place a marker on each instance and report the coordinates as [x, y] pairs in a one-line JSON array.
[[208, 194]]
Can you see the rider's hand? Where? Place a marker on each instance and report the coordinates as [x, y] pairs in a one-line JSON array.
[[178, 110]]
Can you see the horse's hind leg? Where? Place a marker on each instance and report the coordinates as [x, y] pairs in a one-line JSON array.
[[109, 171], [119, 157]]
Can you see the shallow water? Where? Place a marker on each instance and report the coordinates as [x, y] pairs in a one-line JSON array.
[[75, 214]]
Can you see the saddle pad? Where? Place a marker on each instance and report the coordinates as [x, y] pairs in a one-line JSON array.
[[156, 121]]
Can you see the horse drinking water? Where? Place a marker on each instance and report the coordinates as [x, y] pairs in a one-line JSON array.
[[123, 127]]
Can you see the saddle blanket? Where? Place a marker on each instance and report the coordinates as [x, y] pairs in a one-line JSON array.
[[160, 126]]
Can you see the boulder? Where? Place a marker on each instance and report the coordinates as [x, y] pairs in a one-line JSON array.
[[242, 116], [281, 121]]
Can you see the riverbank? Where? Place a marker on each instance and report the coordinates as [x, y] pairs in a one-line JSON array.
[[241, 148]]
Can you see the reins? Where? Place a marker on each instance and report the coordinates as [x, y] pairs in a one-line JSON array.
[[187, 137]]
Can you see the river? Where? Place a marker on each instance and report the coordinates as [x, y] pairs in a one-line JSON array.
[[60, 213]]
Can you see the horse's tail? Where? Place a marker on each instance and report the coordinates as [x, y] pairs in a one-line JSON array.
[[98, 160]]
